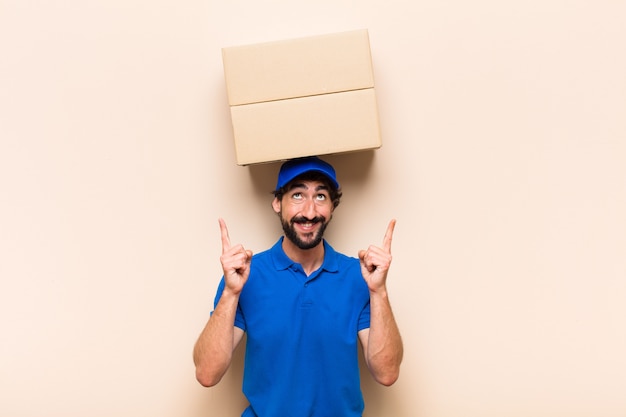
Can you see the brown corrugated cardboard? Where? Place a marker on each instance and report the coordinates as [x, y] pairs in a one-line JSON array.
[[316, 125], [298, 67], [302, 97]]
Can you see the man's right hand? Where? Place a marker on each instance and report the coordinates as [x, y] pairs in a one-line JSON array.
[[235, 262]]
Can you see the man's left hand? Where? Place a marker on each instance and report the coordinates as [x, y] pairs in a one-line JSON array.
[[375, 261]]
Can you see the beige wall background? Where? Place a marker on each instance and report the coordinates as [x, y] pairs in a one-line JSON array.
[[503, 159]]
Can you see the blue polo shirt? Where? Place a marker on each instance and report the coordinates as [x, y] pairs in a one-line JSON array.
[[302, 345]]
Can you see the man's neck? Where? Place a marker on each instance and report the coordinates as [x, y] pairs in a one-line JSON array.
[[309, 259]]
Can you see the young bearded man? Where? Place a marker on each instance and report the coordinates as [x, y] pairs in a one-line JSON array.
[[303, 306]]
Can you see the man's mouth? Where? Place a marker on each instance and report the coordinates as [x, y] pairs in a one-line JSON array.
[[307, 223]]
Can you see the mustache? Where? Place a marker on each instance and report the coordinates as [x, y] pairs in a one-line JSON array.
[[302, 219]]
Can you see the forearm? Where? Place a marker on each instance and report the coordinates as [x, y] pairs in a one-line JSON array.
[[213, 350], [384, 347]]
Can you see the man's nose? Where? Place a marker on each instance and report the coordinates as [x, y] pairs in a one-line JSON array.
[[309, 210]]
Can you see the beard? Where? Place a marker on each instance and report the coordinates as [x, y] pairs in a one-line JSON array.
[[309, 240]]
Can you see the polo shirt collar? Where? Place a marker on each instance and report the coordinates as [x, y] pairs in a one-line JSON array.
[[282, 261]]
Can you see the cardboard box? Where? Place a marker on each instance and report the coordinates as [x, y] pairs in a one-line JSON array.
[[302, 97]]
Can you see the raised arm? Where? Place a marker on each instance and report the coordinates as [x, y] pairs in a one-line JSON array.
[[214, 348], [382, 344]]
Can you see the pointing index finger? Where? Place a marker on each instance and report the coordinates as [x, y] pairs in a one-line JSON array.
[[389, 235], [225, 237]]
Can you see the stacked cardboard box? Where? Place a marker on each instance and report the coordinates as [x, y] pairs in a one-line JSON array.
[[302, 97]]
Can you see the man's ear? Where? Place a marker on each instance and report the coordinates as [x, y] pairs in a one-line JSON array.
[[276, 205]]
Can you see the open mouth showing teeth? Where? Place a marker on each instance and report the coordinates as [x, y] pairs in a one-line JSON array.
[[306, 226]]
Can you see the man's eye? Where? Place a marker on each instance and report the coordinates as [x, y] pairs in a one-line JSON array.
[[321, 197], [297, 196]]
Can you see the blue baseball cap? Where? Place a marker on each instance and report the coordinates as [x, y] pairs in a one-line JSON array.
[[295, 167]]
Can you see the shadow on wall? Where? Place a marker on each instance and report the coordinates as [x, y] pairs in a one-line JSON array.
[[380, 400], [226, 398], [351, 168]]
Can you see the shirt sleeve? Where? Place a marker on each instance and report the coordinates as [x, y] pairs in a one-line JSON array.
[[364, 318], [239, 319]]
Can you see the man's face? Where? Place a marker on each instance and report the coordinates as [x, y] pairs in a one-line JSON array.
[[305, 210]]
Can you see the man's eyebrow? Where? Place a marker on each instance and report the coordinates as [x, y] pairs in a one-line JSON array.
[[303, 186], [297, 185]]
